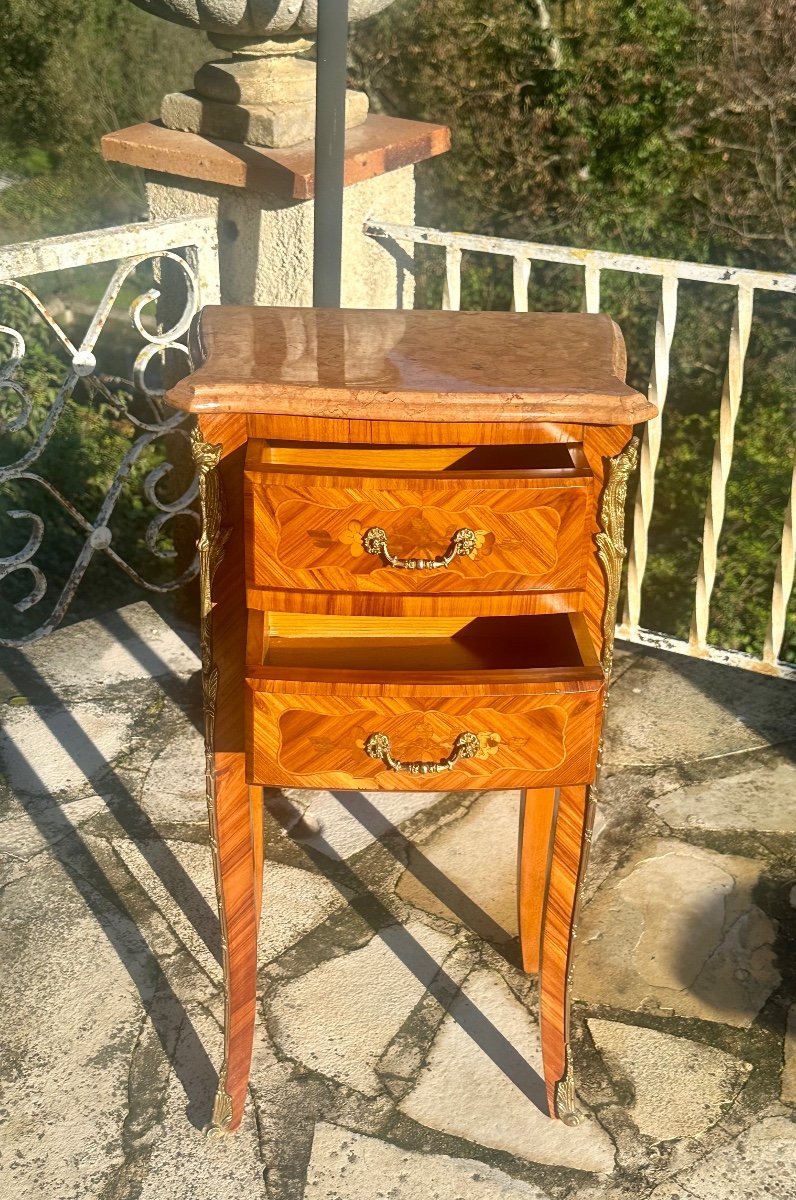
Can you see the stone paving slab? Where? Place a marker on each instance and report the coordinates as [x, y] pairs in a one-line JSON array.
[[173, 783], [347, 827], [73, 1005], [182, 1164], [670, 709], [131, 645], [363, 1168], [21, 840], [759, 1164], [340, 1017], [788, 1091], [447, 874], [680, 1088], [482, 1082], [62, 751], [677, 929], [762, 799], [397, 1049]]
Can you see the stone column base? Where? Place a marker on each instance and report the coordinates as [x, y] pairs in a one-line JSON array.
[[257, 124]]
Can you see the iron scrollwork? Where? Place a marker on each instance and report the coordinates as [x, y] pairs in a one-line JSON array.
[[17, 410]]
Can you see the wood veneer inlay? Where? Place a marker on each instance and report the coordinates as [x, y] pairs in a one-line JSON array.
[[425, 423]]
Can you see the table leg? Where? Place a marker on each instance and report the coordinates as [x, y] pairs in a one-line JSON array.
[[536, 825], [235, 835], [258, 832], [571, 839], [235, 852]]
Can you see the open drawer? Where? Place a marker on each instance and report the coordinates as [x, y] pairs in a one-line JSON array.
[[442, 704], [418, 519]]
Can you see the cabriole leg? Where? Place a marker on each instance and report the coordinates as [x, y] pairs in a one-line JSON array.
[[235, 839], [571, 838], [258, 832], [239, 912], [536, 825]]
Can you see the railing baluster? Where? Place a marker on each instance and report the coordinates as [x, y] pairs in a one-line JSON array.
[[452, 291], [650, 451], [591, 283], [669, 271], [203, 257], [521, 278], [783, 582], [722, 463], [606, 259]]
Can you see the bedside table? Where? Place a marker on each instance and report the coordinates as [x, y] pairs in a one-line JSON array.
[[410, 558]]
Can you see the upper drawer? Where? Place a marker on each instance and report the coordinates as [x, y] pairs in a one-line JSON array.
[[490, 521]]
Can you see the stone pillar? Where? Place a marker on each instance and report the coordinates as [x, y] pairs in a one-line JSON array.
[[262, 201]]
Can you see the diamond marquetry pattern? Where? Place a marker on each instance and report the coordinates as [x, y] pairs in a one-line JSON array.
[[529, 537], [317, 741]]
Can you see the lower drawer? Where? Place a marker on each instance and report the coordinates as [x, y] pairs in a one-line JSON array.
[[407, 706], [396, 744]]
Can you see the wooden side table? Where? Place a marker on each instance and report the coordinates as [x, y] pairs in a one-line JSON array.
[[410, 558]]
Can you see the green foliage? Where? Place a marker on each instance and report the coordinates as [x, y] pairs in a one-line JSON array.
[[69, 72], [73, 70], [661, 127], [594, 147]]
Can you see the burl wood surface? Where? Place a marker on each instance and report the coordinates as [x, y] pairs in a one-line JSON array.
[[412, 366]]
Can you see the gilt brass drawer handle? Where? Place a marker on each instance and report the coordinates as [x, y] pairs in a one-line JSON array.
[[378, 745], [463, 542]]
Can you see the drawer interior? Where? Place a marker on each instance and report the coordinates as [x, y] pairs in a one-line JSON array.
[[550, 646], [549, 458]]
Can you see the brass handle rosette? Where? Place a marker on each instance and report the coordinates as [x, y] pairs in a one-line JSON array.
[[463, 542], [377, 745]]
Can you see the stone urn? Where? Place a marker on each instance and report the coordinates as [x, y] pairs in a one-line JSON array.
[[263, 92]]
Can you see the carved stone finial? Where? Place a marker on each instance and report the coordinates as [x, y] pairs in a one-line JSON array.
[[264, 93]]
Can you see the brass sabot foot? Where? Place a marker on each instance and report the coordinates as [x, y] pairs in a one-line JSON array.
[[571, 1118], [565, 1095], [221, 1119]]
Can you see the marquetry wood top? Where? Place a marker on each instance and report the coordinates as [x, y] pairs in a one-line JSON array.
[[412, 366]]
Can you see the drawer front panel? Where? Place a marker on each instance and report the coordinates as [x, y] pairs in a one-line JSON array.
[[524, 741], [528, 536]]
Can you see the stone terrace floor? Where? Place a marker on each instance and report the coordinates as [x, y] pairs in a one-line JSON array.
[[397, 1040]]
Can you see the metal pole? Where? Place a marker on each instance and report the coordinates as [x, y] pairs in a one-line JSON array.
[[329, 151]]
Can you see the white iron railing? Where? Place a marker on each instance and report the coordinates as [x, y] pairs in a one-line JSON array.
[[745, 282], [192, 247]]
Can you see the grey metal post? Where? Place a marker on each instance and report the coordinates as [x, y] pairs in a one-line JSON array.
[[332, 43]]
